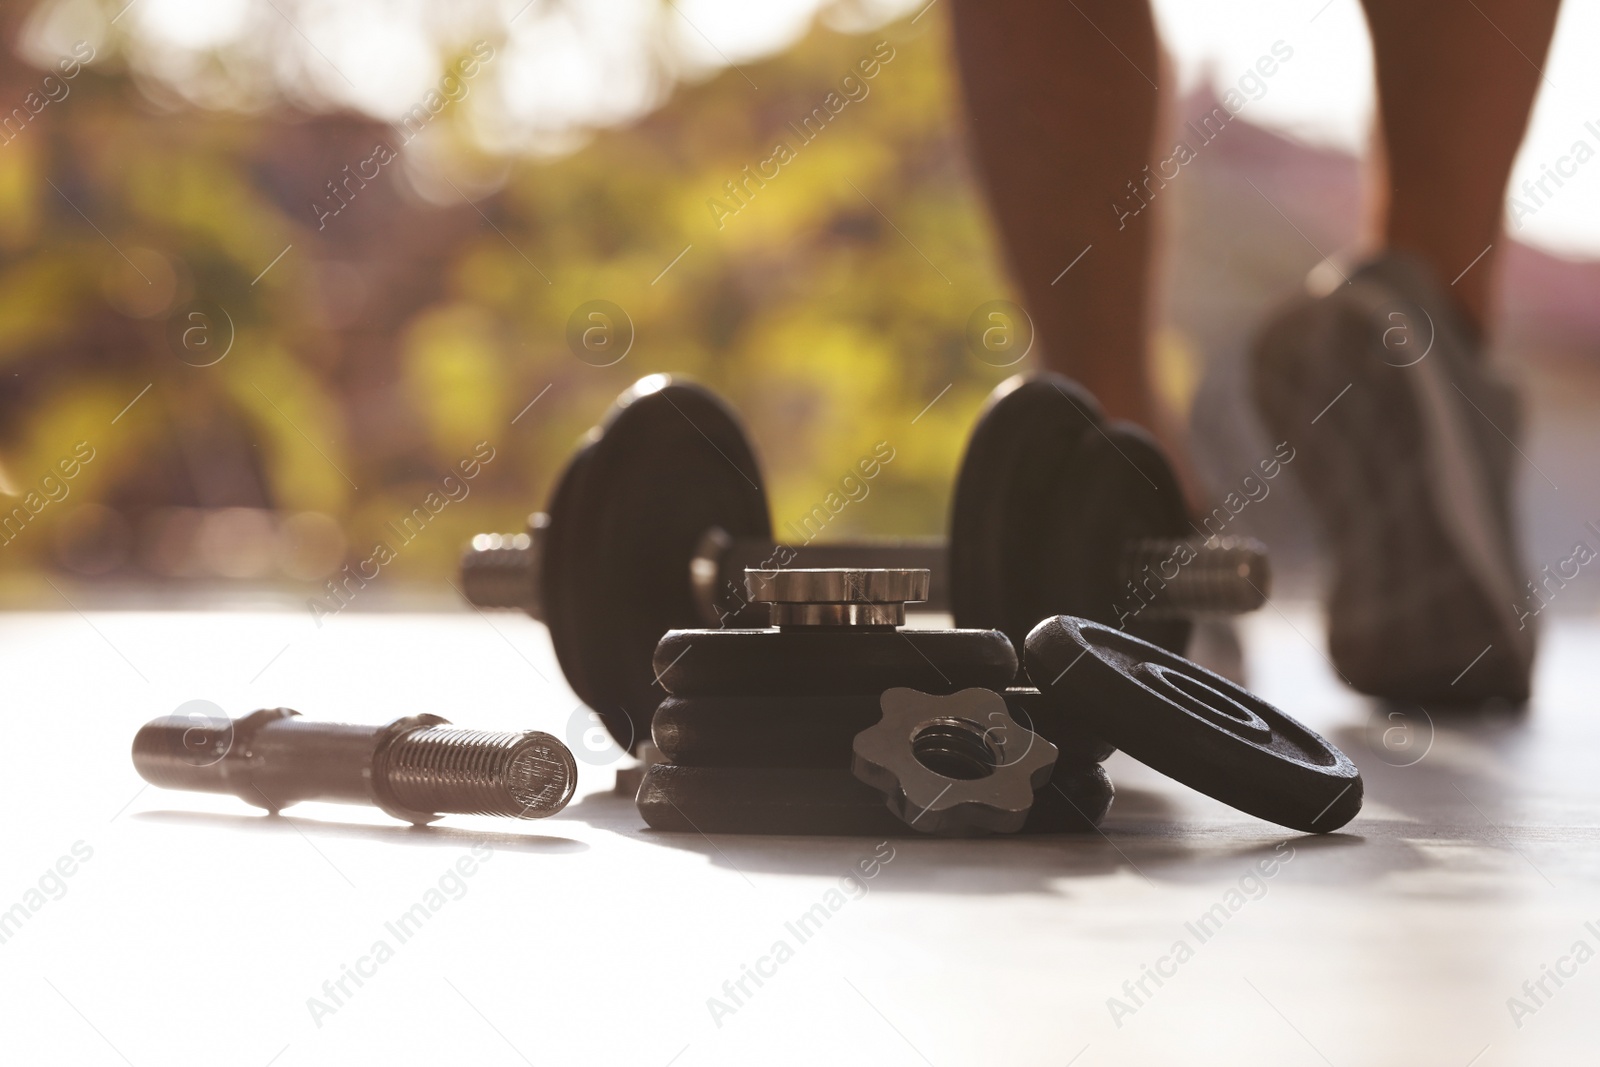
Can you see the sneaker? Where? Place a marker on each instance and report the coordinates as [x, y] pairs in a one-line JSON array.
[[1403, 442]]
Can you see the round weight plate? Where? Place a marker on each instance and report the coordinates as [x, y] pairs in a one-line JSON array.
[[1037, 712], [1029, 430], [667, 463], [1118, 488], [1074, 800], [794, 662], [746, 800], [1047, 498], [754, 731], [763, 800], [1193, 725]]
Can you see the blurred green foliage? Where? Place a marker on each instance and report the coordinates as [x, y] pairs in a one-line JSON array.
[[830, 308]]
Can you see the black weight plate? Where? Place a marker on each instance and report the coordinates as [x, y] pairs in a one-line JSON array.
[[1029, 429], [1193, 725], [743, 800], [763, 731], [791, 662], [817, 731], [666, 463], [1047, 497], [1117, 489], [1074, 800], [1036, 712]]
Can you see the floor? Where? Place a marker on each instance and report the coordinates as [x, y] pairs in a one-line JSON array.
[[1452, 923]]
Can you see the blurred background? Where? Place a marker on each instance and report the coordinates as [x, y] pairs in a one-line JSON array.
[[270, 270]]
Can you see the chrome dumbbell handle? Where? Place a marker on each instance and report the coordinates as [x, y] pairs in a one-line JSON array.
[[414, 768], [502, 570]]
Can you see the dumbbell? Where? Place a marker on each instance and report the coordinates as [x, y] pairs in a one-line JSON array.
[[657, 515]]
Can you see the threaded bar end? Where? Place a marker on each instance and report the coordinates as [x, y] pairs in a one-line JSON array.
[[502, 571], [1220, 576], [180, 752], [445, 770]]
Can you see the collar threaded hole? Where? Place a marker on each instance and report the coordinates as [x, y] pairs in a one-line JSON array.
[[954, 748]]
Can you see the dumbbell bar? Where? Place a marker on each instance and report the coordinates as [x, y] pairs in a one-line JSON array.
[[654, 519], [1224, 576], [415, 768]]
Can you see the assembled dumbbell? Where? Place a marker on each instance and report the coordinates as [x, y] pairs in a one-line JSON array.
[[655, 519], [835, 721]]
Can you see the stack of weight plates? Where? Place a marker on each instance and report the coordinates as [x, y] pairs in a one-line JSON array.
[[757, 728]]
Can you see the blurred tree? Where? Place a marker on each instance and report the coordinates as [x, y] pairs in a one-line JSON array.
[[387, 302]]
